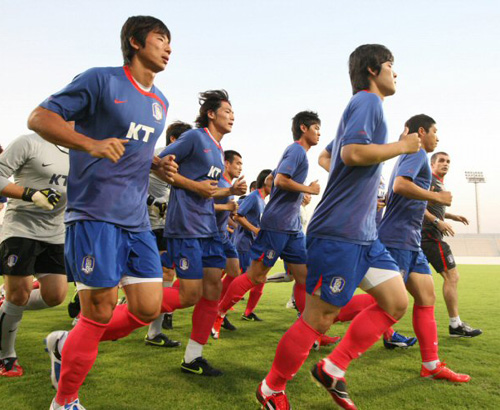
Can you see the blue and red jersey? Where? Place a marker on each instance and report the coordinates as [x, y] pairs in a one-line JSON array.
[[223, 216], [251, 207]]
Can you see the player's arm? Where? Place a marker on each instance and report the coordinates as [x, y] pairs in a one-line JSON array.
[[325, 160], [238, 188], [362, 155], [404, 186], [285, 182], [457, 218], [445, 228], [231, 206], [245, 223]]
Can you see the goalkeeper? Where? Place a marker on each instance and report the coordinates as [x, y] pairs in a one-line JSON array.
[[32, 237]]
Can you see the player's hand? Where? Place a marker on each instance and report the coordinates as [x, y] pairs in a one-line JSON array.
[[410, 142], [232, 206], [445, 228], [206, 188], [443, 197], [239, 187], [110, 148], [380, 204], [460, 218], [168, 168], [46, 198], [314, 188]]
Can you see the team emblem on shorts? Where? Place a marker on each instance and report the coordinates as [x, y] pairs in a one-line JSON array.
[[270, 254], [12, 260], [337, 284], [184, 264], [157, 111], [88, 264], [451, 259]]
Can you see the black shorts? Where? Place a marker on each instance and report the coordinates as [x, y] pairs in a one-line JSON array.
[[160, 239], [25, 257], [439, 255]]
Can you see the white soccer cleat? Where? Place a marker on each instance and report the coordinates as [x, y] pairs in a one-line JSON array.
[[54, 350], [74, 405]]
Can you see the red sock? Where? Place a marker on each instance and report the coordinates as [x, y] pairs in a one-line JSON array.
[[355, 305], [424, 324], [364, 331], [78, 356], [122, 323], [241, 285], [253, 299], [204, 315], [299, 293], [225, 285], [291, 353], [171, 300]]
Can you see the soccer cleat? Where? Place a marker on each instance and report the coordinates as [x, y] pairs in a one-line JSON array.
[[325, 340], [10, 367], [464, 330], [315, 346], [336, 386], [74, 405], [277, 401], [74, 305], [291, 304], [52, 348], [167, 323], [201, 367], [442, 372], [226, 324], [161, 340], [215, 335], [399, 340], [252, 317]]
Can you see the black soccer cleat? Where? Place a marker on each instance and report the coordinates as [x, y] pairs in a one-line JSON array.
[[226, 324], [252, 317], [336, 386], [464, 330], [201, 367], [161, 340], [167, 323]]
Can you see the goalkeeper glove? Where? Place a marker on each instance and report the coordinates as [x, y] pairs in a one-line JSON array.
[[45, 198]]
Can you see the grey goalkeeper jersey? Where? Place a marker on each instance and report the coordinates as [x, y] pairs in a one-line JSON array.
[[161, 191], [38, 164]]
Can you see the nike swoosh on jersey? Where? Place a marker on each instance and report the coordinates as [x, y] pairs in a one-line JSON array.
[[119, 101], [45, 165]]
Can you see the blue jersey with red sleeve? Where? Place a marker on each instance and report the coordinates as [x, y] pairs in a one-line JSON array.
[[251, 208], [282, 212], [106, 103], [402, 222], [348, 207], [200, 157], [223, 216]]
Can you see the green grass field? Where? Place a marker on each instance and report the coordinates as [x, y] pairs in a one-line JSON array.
[[130, 375]]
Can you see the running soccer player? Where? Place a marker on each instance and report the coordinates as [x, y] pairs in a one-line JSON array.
[[32, 239], [400, 232], [119, 115], [343, 251], [280, 233], [194, 245], [157, 201], [438, 252]]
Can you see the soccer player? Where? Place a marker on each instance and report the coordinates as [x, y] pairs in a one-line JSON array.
[[32, 239], [194, 245], [157, 201], [119, 115], [280, 233], [438, 252], [400, 231], [343, 251]]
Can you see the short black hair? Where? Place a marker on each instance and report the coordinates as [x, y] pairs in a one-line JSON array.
[[420, 120], [435, 156], [175, 130], [253, 185], [138, 27], [210, 100], [306, 118], [261, 178], [230, 154], [364, 57]]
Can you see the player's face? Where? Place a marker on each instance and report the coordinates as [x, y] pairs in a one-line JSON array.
[[234, 168], [442, 165], [429, 139], [223, 118], [311, 135], [385, 81], [156, 52], [268, 186]]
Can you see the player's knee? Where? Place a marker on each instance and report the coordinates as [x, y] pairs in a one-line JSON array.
[[399, 307], [259, 279], [20, 297], [190, 298], [54, 298], [147, 315]]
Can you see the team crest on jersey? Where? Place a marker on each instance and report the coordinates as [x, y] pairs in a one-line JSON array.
[[88, 264], [184, 264], [12, 260], [451, 259], [157, 111], [270, 254], [337, 284]]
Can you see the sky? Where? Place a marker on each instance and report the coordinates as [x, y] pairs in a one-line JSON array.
[[276, 58]]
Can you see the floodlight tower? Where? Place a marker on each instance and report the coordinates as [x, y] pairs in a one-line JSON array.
[[476, 177]]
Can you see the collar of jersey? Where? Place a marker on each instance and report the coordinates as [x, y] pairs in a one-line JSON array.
[[441, 179], [213, 139], [126, 68]]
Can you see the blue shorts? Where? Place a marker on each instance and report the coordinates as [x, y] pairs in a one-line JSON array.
[[245, 260], [99, 254], [335, 268], [270, 245], [229, 248], [410, 261], [190, 256]]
